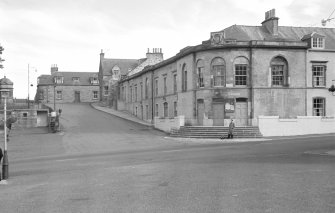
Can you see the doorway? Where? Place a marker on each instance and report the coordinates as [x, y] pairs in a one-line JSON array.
[[77, 96], [241, 112], [218, 114], [201, 111]]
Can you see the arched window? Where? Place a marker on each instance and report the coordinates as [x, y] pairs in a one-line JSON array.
[[184, 78], [218, 72], [200, 74], [166, 112], [279, 71], [241, 66]]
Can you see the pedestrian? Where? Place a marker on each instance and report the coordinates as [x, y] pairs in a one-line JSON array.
[[231, 129]]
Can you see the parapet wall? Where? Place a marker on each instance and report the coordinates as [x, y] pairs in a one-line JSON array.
[[302, 125]]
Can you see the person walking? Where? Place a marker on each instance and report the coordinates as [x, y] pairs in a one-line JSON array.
[[231, 129]]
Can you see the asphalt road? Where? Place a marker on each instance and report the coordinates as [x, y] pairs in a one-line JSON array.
[[101, 163]]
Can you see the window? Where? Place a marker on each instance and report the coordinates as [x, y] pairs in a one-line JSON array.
[[241, 71], [105, 90], [147, 111], [122, 93], [175, 83], [95, 94], [218, 72], [319, 75], [58, 79], [200, 73], [175, 109], [59, 95], [279, 73], [141, 92], [317, 42], [94, 80], [131, 94], [135, 90], [184, 78], [165, 86], [166, 112], [156, 87], [319, 107], [240, 74], [146, 88], [75, 79], [156, 111]]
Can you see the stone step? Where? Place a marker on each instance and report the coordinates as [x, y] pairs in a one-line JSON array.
[[215, 132]]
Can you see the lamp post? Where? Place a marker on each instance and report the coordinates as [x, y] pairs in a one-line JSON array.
[[332, 87], [4, 95], [29, 84]]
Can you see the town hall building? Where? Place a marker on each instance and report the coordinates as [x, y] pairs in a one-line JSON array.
[[240, 73]]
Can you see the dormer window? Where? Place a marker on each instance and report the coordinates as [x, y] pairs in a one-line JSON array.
[[94, 80], [58, 79], [318, 42], [75, 79]]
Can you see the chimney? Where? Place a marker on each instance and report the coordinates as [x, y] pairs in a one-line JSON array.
[[271, 22], [54, 69], [102, 54], [155, 56]]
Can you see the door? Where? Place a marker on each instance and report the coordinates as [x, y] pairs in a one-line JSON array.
[[201, 111], [241, 113], [218, 114], [76, 96]]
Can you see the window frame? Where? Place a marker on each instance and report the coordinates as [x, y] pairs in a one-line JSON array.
[[279, 64], [315, 110], [59, 95], [317, 78], [218, 72], [236, 75], [95, 95], [165, 109]]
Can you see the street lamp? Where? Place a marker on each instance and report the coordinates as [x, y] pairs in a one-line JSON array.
[[332, 88], [29, 85]]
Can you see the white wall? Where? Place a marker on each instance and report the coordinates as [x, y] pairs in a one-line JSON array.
[[166, 124], [302, 125]]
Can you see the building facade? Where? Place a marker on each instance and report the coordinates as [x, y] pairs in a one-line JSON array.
[[67, 87], [112, 70], [241, 72]]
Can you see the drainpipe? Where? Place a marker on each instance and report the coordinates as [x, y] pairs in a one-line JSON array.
[[152, 97], [251, 83], [194, 89]]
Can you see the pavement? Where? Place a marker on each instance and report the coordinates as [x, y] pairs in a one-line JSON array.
[[122, 114], [128, 116]]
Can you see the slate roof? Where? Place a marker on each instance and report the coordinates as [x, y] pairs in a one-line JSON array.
[[84, 78], [125, 65], [248, 33]]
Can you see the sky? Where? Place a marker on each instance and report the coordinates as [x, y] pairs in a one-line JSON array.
[[72, 33]]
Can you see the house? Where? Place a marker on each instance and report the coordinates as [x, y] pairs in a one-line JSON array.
[[67, 87], [241, 72], [111, 70]]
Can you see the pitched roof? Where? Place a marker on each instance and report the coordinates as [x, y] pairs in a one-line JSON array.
[[248, 33], [84, 78], [125, 65]]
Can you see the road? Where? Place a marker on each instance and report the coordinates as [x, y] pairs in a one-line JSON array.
[[101, 163]]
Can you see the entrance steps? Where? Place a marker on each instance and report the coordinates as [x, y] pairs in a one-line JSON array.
[[215, 132]]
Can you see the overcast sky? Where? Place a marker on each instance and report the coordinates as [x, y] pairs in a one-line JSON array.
[[71, 33]]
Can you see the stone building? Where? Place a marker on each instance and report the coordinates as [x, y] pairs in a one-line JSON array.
[[241, 72], [67, 87], [112, 70]]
